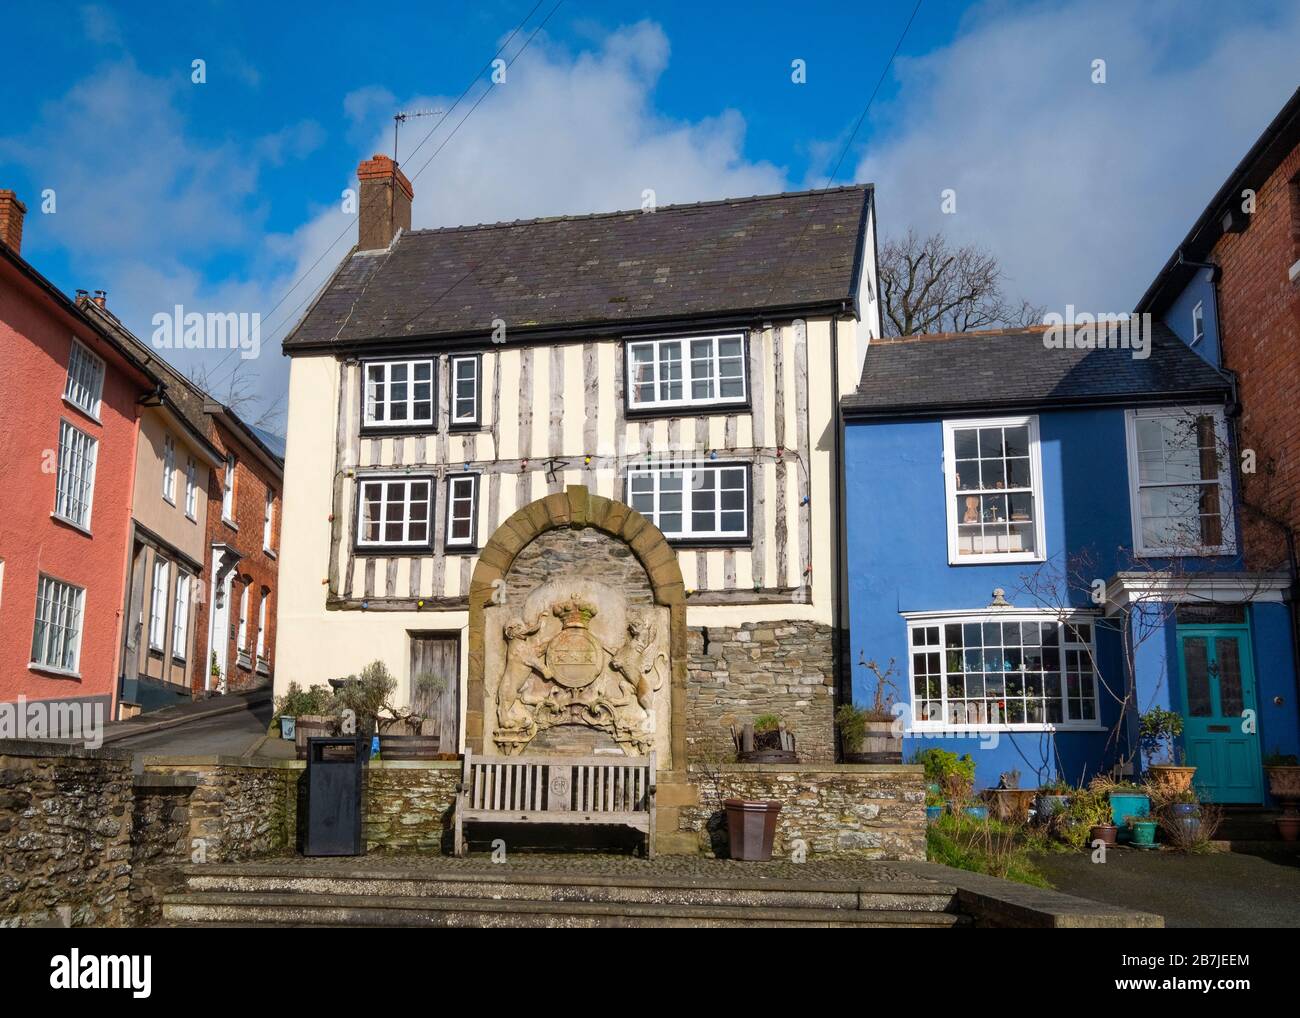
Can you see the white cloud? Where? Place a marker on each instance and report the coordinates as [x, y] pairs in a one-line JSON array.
[[1081, 189]]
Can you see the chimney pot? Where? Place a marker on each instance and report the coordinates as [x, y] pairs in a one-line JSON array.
[[12, 212], [82, 295], [101, 298], [386, 197]]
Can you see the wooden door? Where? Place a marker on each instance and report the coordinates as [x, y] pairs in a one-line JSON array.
[[438, 655]]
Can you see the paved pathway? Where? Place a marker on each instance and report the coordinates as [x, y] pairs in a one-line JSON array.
[[1215, 890]]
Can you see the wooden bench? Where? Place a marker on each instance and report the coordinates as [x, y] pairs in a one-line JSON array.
[[594, 790]]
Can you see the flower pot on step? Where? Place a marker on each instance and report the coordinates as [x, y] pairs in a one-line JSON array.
[[1288, 827], [1105, 833], [1144, 833], [1127, 804], [1171, 778], [751, 828]]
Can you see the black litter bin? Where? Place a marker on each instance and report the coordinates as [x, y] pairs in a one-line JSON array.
[[336, 769]]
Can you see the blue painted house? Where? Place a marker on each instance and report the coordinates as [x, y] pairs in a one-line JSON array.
[[1044, 543]]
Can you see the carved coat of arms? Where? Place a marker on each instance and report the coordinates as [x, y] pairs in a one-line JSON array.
[[572, 676]]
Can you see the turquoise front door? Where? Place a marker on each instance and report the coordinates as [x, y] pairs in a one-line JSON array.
[[1218, 686]]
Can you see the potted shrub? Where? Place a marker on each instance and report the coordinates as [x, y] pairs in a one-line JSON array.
[[868, 731], [1053, 798], [408, 734], [1010, 802], [765, 740], [366, 695], [303, 714], [1085, 819], [1160, 731], [955, 777]]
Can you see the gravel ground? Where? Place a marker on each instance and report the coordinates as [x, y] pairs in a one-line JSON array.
[[1214, 890]]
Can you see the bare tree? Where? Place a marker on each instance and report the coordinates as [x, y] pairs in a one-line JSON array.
[[928, 286], [238, 392]]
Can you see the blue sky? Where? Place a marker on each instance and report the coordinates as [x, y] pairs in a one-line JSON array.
[[221, 195]]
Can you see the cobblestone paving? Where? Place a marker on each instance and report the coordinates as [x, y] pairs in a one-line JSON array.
[[699, 867]]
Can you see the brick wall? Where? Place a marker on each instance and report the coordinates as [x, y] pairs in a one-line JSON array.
[[1259, 309], [256, 571], [735, 674]]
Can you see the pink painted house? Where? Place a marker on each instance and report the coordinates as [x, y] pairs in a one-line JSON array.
[[68, 435]]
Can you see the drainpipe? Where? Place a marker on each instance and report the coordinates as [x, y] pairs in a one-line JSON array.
[[840, 584]]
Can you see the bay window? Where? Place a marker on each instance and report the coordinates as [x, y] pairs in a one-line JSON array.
[[1028, 670]]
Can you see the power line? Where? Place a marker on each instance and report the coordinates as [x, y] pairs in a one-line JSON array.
[[348, 228]]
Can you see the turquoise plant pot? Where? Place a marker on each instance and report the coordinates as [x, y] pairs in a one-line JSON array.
[[933, 813], [1144, 834], [1127, 804]]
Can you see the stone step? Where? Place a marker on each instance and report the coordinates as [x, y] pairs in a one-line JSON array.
[[910, 895], [370, 910]]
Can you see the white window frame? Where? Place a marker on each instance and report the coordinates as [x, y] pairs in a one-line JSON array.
[[458, 364], [1198, 323], [191, 488], [169, 469], [688, 534], [1224, 480], [921, 620], [158, 597], [68, 620], [181, 616], [410, 421], [241, 643], [78, 455], [84, 388], [385, 480], [458, 498], [228, 490], [950, 427], [261, 625], [268, 522], [687, 363]]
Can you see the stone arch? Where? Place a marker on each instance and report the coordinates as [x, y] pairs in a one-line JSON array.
[[578, 508]]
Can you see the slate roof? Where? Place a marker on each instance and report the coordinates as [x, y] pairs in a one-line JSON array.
[[798, 251], [1013, 369]]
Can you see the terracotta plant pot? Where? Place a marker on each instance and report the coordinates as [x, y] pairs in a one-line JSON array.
[[1284, 785], [1105, 833], [1171, 778], [1288, 827], [751, 828], [311, 726], [1011, 805]]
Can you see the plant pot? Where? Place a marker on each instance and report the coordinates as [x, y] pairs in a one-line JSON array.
[[933, 813], [1128, 804], [1011, 805], [1048, 804], [1143, 833], [1284, 786], [1288, 827], [408, 747], [286, 726], [1105, 833], [751, 828], [311, 726], [767, 756], [1183, 810], [974, 812], [879, 745], [1171, 778]]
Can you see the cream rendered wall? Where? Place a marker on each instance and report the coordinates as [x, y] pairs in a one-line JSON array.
[[148, 507]]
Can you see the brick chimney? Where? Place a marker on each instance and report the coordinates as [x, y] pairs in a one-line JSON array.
[[11, 220], [385, 202]]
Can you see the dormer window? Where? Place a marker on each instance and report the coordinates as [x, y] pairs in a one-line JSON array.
[[686, 371]]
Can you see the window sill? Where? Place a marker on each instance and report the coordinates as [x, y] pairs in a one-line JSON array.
[[1221, 552], [230, 523], [268, 552], [170, 501], [461, 549], [262, 669], [398, 430], [394, 550], [57, 518], [191, 517], [929, 728], [465, 426], [705, 543], [83, 411], [243, 661], [714, 408], [996, 559], [62, 673], [1294, 272]]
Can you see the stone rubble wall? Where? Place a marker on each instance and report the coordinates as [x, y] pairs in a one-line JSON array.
[[736, 674], [876, 812]]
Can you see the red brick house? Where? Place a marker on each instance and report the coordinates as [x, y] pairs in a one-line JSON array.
[[69, 421], [236, 618]]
